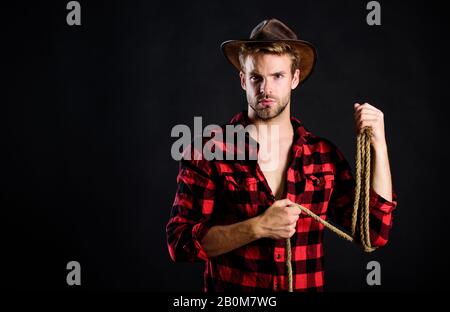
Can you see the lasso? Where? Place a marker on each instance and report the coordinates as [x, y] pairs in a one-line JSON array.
[[360, 205]]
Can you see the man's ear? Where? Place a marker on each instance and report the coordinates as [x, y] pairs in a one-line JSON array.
[[242, 77], [295, 79]]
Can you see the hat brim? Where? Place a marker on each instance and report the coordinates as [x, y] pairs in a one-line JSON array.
[[307, 51]]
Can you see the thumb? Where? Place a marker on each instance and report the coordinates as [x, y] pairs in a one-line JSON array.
[[289, 202], [356, 105]]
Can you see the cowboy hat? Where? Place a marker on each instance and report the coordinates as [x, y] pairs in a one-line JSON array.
[[269, 31]]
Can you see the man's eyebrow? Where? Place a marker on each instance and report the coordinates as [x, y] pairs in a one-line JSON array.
[[281, 72]]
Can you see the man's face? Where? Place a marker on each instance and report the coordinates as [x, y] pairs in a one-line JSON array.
[[268, 81]]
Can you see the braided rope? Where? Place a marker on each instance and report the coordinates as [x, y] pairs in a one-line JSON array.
[[289, 264], [360, 205]]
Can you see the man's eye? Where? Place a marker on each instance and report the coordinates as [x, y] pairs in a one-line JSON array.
[[278, 76]]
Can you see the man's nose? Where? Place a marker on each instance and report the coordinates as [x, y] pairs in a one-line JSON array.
[[265, 87]]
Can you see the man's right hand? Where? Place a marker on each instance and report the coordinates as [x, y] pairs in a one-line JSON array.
[[278, 221]]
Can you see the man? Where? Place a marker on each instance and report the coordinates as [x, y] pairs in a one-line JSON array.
[[236, 215]]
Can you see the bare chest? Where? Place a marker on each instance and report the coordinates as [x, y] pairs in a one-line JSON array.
[[274, 165]]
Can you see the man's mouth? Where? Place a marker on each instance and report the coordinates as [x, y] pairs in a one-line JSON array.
[[267, 103]]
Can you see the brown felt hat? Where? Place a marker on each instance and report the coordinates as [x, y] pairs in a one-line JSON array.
[[273, 30]]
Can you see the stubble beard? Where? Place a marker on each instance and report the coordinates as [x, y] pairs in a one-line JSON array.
[[269, 112]]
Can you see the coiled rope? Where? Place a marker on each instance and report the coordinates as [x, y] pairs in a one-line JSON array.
[[360, 205]]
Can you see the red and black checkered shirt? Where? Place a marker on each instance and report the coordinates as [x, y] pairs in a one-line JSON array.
[[220, 192]]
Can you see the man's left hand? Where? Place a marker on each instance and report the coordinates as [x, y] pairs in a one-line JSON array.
[[366, 115]]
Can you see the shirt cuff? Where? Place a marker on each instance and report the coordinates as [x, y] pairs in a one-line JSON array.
[[379, 203], [198, 233]]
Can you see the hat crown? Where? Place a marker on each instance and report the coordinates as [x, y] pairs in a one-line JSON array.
[[272, 29]]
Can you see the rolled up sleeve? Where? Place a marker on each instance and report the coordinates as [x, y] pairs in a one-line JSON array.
[[191, 211], [340, 207], [380, 221]]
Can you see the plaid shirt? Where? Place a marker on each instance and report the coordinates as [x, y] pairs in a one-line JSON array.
[[221, 192]]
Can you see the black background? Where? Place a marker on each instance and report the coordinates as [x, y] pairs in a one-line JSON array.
[[87, 111]]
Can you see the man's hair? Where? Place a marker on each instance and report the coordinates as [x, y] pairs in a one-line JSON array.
[[278, 48]]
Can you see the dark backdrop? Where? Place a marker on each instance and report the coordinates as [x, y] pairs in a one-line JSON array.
[[86, 114]]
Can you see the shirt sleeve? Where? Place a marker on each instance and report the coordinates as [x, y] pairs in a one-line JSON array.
[[191, 211], [340, 207]]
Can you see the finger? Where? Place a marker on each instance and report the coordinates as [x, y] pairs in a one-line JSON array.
[[290, 202], [365, 124], [299, 210], [286, 232], [364, 117], [362, 113], [366, 113], [368, 107], [284, 202], [365, 107], [290, 221], [292, 224], [294, 210], [291, 233], [368, 110], [358, 106]]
